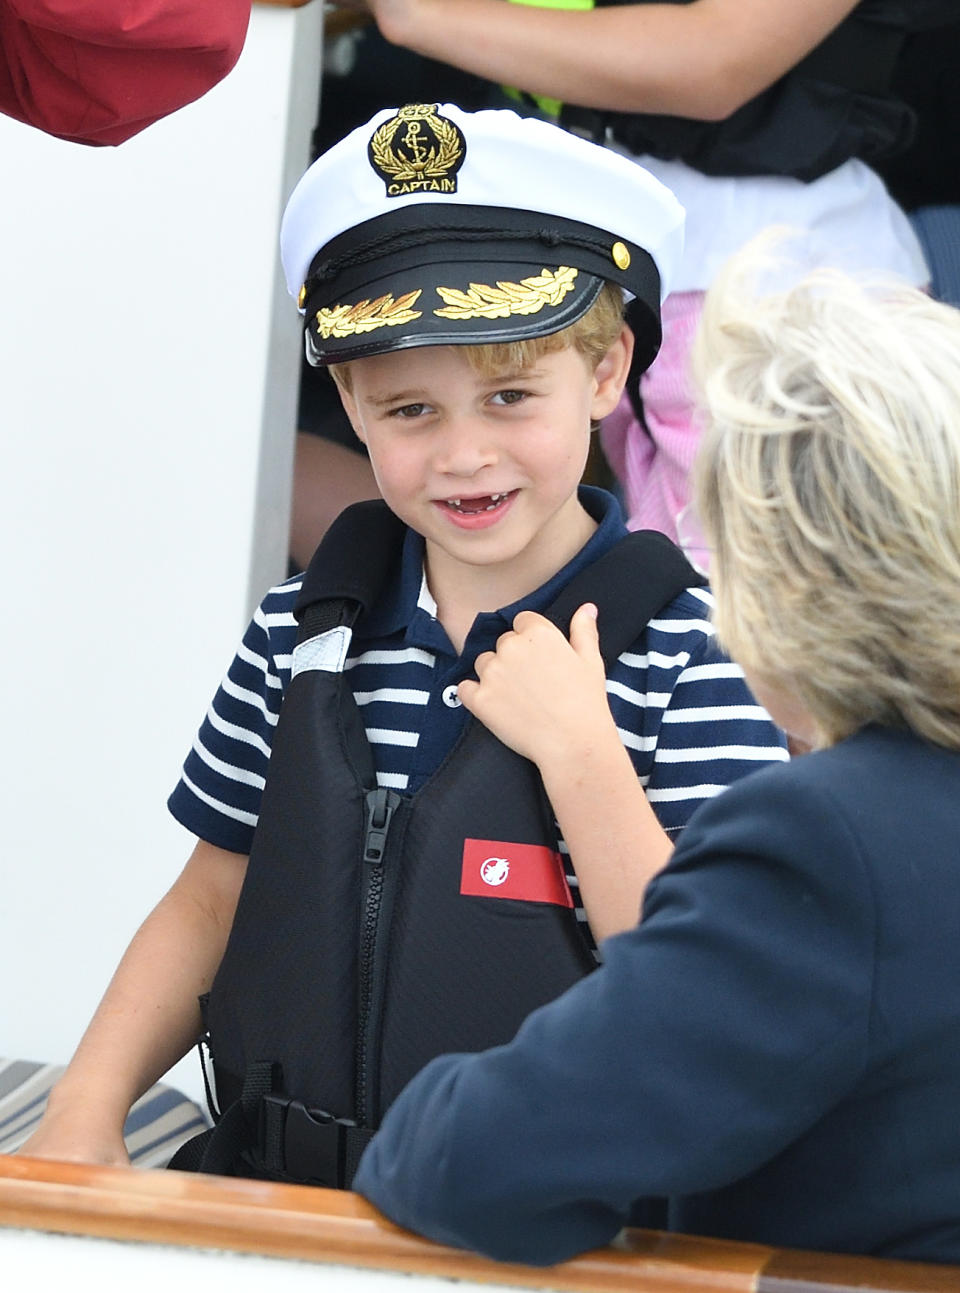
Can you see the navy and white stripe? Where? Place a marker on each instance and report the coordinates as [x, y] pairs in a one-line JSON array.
[[683, 710]]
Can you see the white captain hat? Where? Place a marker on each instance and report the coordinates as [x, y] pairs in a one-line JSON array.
[[430, 225]]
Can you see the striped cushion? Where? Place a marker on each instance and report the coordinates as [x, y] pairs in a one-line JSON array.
[[158, 1124]]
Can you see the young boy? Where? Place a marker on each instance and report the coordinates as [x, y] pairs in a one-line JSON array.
[[405, 893]]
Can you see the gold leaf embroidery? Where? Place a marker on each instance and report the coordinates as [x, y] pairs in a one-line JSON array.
[[365, 316], [481, 301]]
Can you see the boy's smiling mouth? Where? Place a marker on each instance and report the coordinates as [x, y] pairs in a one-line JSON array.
[[481, 503], [477, 511]]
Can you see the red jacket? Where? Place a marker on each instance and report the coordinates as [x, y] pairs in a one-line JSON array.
[[100, 72]]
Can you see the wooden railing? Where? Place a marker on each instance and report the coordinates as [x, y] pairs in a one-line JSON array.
[[333, 1227]]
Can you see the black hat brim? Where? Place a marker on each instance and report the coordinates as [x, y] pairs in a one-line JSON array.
[[467, 276]]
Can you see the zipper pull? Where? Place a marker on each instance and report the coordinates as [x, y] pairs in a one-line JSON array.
[[381, 805]]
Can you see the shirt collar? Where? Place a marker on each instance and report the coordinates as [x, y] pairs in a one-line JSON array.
[[409, 595], [399, 603], [605, 510]]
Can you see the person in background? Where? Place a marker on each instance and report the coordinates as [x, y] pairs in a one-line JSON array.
[[101, 72], [776, 1045], [754, 112], [925, 178]]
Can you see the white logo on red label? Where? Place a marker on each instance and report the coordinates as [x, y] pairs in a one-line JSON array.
[[494, 871], [501, 870]]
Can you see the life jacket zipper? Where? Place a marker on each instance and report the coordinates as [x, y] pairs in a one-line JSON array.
[[381, 806]]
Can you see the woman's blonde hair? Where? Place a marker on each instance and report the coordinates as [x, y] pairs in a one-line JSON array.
[[828, 488], [592, 335]]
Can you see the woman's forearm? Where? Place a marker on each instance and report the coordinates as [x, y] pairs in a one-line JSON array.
[[701, 60]]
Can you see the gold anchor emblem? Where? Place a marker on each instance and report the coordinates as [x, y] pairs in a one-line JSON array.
[[417, 151]]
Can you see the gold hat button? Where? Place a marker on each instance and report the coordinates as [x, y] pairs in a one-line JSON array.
[[302, 294], [620, 255]]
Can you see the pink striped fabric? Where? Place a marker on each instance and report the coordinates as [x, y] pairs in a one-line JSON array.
[[654, 469]]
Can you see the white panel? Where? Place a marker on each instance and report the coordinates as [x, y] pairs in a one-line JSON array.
[[148, 367], [32, 1260]]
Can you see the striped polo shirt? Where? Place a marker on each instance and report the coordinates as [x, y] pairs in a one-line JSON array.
[[682, 709]]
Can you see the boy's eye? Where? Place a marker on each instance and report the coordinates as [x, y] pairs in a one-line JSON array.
[[509, 397], [408, 411]]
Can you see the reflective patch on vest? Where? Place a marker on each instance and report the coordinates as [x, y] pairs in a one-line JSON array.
[[525, 872], [327, 652]]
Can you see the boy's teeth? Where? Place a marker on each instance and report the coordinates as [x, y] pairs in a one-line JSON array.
[[494, 500]]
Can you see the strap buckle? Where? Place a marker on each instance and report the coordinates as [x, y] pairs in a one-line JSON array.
[[309, 1145]]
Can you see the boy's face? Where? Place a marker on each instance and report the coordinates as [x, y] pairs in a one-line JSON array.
[[485, 468]]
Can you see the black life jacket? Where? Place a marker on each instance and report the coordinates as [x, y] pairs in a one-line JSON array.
[[360, 947], [837, 103]]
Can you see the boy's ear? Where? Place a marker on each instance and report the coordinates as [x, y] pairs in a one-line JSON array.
[[611, 374]]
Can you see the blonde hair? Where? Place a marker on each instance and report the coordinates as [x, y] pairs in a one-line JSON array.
[[828, 488], [592, 335]]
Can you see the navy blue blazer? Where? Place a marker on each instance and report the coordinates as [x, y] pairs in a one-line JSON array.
[[776, 1046]]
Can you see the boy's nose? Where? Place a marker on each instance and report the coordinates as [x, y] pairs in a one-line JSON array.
[[465, 448]]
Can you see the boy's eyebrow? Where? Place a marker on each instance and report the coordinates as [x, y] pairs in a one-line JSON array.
[[412, 396], [516, 374], [416, 395], [507, 376]]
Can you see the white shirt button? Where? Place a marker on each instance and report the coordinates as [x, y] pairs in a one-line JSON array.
[[450, 697]]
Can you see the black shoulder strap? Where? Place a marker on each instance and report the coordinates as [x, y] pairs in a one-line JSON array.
[[360, 552], [353, 564], [629, 584]]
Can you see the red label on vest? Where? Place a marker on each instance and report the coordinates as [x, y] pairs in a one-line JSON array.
[[527, 872]]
